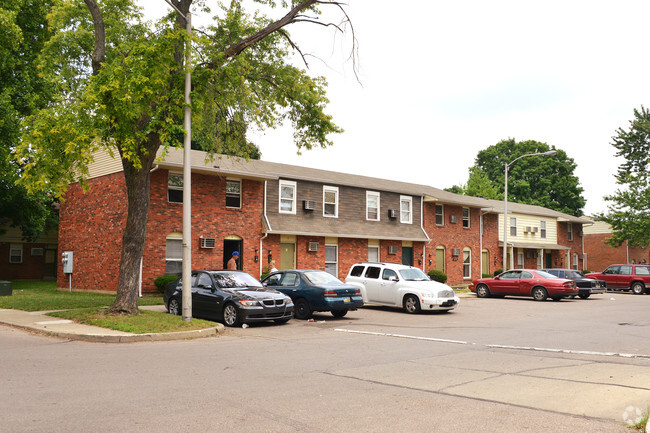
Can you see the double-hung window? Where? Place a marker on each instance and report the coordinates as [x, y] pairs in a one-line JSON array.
[[175, 188], [372, 206], [331, 201], [542, 229], [287, 196], [440, 215], [513, 226], [569, 229], [233, 194], [406, 209], [16, 253], [467, 263], [466, 217], [174, 254]]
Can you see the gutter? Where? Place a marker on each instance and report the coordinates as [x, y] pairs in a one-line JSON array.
[[424, 247]]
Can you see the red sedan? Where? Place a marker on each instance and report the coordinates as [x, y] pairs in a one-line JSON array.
[[525, 282]]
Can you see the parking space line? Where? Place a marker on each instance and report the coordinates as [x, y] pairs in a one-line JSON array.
[[500, 346], [412, 337]]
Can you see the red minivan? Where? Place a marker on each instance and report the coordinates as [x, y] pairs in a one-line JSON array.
[[625, 277]]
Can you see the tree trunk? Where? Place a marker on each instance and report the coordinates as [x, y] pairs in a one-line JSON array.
[[138, 191]]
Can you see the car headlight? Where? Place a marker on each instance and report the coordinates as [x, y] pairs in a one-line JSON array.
[[288, 301], [248, 303], [446, 293]]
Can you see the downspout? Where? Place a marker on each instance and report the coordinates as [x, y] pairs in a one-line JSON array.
[[266, 234], [424, 247]]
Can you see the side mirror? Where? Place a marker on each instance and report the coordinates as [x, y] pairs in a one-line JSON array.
[[392, 278]]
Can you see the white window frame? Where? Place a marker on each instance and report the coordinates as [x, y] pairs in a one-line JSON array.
[[16, 252], [294, 186], [467, 265], [175, 238], [239, 182], [373, 194], [335, 190], [408, 200], [569, 231], [542, 229], [174, 186], [574, 264], [520, 260], [466, 218], [511, 226], [441, 215], [336, 262]]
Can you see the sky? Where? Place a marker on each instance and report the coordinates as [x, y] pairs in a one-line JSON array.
[[440, 81]]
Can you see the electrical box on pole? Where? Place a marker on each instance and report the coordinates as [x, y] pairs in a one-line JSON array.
[[66, 258]]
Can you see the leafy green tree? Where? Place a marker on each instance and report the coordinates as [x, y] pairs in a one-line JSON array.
[[23, 31], [544, 181], [120, 85], [629, 211]]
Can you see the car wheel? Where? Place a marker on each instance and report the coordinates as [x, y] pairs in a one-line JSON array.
[[540, 294], [174, 307], [411, 304], [230, 316], [583, 295], [482, 291], [339, 313], [638, 288], [301, 309]]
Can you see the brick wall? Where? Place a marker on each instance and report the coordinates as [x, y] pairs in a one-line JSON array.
[[92, 226], [31, 268], [575, 245], [453, 236], [600, 255]]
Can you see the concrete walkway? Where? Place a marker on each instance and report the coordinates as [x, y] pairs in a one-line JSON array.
[[40, 322]]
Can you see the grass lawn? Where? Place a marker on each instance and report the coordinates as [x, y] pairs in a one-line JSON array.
[[89, 308]]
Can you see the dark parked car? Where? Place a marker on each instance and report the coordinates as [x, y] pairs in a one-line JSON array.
[[586, 286], [525, 282], [626, 277], [313, 291], [230, 297]]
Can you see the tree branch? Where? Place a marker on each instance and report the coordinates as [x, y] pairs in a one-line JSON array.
[[99, 53]]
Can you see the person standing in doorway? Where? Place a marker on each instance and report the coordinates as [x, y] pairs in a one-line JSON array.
[[232, 263]]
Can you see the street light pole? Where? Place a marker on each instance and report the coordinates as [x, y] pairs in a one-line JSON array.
[[505, 202], [186, 274]]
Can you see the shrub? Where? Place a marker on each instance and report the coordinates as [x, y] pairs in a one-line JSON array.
[[438, 276], [162, 281], [486, 276], [497, 272], [265, 271]]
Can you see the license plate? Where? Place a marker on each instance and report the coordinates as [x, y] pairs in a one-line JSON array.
[[347, 300]]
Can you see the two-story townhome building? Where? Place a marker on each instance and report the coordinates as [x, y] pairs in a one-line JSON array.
[[599, 254], [300, 218]]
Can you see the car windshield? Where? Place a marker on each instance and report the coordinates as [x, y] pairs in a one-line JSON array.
[[413, 274], [545, 274], [321, 277], [575, 274], [235, 280]]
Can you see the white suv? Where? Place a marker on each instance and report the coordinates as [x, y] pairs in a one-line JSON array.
[[401, 286]]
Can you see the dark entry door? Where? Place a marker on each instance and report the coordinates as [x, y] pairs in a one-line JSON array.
[[548, 260], [407, 256], [230, 246]]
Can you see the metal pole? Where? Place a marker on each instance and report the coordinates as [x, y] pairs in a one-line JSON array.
[[187, 181], [505, 222]]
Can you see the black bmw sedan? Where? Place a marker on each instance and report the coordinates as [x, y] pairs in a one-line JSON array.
[[230, 297]]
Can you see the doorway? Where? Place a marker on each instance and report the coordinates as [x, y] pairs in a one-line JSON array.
[[548, 259], [230, 246], [287, 256], [407, 256]]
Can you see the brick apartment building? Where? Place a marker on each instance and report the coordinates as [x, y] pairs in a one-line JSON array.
[[599, 255], [302, 218], [23, 260]]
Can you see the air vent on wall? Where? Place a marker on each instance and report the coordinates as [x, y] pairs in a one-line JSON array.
[[392, 213], [453, 219], [456, 252], [393, 249], [207, 242], [313, 246]]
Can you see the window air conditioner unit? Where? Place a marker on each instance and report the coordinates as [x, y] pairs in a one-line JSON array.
[[455, 252], [308, 204], [207, 242], [529, 229], [453, 219], [393, 249], [313, 246], [535, 229], [392, 213]]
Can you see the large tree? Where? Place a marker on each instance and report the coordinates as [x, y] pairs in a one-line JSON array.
[[120, 86], [23, 32], [629, 211], [544, 181]]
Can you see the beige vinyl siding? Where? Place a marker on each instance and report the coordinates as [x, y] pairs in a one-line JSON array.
[[104, 164], [598, 228], [524, 221]]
